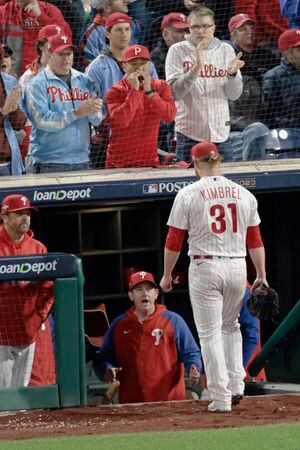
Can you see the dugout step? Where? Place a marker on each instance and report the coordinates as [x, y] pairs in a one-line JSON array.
[[269, 388]]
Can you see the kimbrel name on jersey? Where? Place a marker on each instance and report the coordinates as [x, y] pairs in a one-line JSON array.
[[165, 186], [62, 194]]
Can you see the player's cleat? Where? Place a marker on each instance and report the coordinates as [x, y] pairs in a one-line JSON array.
[[215, 407], [235, 399]]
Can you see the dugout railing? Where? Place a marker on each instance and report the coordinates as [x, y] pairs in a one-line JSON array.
[[66, 272], [280, 355]]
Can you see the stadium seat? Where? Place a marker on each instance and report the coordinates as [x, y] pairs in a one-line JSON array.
[[282, 143]]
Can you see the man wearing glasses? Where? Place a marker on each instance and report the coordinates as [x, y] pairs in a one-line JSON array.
[[204, 74]]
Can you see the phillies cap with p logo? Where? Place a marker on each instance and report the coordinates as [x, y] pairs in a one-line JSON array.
[[140, 277], [50, 30], [136, 51], [15, 202], [175, 20], [59, 42], [238, 20], [116, 18]]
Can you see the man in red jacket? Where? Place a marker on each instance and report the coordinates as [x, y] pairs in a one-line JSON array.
[[147, 348], [21, 21], [26, 353], [136, 105]]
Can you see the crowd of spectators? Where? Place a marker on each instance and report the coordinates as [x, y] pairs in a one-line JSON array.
[[232, 69]]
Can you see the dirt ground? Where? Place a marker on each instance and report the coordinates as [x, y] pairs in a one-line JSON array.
[[183, 415]]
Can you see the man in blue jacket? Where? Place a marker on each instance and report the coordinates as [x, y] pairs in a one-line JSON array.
[[281, 87], [107, 69], [11, 117], [61, 103]]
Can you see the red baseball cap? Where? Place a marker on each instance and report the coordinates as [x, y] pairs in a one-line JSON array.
[[136, 51], [15, 202], [238, 20], [49, 31], [115, 18], [175, 20], [288, 39], [140, 277], [203, 150], [59, 42]]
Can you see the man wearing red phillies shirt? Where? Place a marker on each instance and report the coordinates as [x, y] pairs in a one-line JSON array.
[[21, 21], [136, 105]]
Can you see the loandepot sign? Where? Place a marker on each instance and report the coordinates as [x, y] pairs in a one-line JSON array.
[[72, 194], [35, 268]]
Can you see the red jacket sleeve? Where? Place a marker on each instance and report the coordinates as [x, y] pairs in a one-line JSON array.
[[122, 107], [163, 101]]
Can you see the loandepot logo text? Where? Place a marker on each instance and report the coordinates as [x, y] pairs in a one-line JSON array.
[[28, 267], [161, 187], [62, 194]]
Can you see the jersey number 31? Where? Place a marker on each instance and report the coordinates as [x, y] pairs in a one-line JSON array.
[[222, 217]]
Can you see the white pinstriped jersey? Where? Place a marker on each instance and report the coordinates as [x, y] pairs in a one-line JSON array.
[[216, 212], [202, 102]]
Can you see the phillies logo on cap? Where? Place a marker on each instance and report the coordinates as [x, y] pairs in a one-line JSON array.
[[59, 42], [140, 277], [15, 202], [136, 51]]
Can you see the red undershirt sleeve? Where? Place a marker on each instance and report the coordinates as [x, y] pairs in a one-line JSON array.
[[175, 239], [253, 238]]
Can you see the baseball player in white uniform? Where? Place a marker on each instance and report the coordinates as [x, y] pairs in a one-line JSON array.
[[221, 218], [204, 74]]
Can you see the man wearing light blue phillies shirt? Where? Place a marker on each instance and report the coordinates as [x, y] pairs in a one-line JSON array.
[[61, 103], [107, 70]]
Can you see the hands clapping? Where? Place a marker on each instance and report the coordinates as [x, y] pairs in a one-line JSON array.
[[236, 64], [12, 100], [89, 107]]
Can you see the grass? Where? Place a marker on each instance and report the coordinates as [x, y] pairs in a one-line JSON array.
[[273, 437]]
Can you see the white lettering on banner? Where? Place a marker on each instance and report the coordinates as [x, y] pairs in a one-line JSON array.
[[72, 195], [28, 267], [167, 186]]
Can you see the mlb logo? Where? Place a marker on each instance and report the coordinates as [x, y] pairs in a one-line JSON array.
[[150, 188]]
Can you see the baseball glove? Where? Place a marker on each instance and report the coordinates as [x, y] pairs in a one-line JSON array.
[[263, 303]]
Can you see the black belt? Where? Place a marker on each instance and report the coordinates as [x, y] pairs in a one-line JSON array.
[[216, 257]]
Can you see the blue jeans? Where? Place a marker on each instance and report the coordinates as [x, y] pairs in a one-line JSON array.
[[5, 170], [245, 145], [240, 146], [183, 147], [57, 167]]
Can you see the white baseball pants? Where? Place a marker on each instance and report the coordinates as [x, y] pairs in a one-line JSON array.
[[216, 289], [16, 365]]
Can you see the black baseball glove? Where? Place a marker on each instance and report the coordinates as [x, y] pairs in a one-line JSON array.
[[263, 303]]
